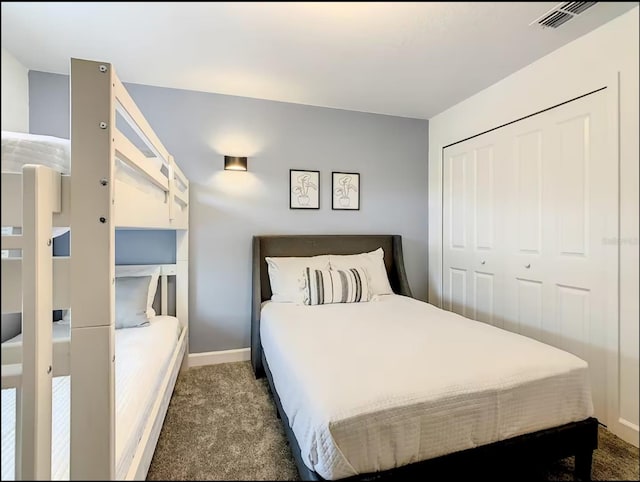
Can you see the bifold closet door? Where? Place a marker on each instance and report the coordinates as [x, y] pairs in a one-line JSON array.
[[472, 233], [553, 191], [562, 190]]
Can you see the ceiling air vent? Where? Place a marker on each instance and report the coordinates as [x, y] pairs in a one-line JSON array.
[[577, 8], [562, 13]]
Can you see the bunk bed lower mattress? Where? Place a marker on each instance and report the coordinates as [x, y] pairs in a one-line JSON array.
[[143, 355]]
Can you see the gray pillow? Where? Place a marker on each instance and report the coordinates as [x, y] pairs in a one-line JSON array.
[[131, 301]]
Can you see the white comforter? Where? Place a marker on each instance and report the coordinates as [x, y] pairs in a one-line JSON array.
[[372, 386]]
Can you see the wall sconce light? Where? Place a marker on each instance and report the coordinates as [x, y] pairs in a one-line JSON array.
[[232, 163]]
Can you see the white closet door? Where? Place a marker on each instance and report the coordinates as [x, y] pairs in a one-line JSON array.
[[553, 194], [562, 189], [472, 239]]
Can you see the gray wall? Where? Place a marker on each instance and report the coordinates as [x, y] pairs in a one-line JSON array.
[[133, 246], [228, 208]]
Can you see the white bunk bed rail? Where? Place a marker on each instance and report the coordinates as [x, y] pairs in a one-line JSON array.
[[173, 182], [92, 201]]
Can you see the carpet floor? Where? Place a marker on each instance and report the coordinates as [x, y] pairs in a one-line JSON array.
[[221, 425]]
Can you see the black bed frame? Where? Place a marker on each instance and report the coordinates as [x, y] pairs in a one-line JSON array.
[[498, 460]]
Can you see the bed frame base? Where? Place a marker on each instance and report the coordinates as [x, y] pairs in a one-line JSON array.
[[522, 457]]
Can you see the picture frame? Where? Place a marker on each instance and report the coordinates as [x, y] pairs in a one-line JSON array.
[[345, 191], [304, 189]]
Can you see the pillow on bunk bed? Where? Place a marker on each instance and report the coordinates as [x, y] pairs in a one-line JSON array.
[[134, 297], [134, 301], [137, 271], [136, 288], [133, 308]]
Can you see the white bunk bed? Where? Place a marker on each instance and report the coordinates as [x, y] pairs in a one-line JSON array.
[[92, 202], [143, 358]]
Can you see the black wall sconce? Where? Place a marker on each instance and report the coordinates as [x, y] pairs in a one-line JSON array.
[[232, 163]]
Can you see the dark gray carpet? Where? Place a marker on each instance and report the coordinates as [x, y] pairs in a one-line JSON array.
[[222, 425]]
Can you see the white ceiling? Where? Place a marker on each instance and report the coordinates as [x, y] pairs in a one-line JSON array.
[[405, 59]]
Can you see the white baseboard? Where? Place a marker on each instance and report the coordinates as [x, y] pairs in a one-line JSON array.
[[215, 357]]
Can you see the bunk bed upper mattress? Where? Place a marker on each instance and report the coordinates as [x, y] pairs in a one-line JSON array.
[[143, 355], [19, 149], [372, 386]]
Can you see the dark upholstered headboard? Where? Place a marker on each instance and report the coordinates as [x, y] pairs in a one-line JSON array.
[[312, 245]]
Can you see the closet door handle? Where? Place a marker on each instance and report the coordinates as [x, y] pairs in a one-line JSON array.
[[527, 265], [482, 262]]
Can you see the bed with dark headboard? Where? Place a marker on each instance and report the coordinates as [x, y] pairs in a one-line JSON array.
[[313, 245], [573, 439]]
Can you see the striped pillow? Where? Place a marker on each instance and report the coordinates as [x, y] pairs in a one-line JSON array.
[[335, 286]]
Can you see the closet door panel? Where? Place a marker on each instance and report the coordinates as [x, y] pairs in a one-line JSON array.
[[471, 258], [573, 319], [485, 258], [458, 290], [483, 206], [528, 195], [525, 264], [458, 201], [529, 308], [572, 196], [455, 243], [484, 297]]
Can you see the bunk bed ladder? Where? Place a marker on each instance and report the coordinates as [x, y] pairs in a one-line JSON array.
[[32, 380]]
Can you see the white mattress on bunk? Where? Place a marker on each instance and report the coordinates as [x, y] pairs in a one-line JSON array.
[[372, 386], [142, 358], [60, 331], [19, 149]]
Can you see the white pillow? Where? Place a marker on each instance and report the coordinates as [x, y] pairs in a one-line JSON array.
[[134, 301], [372, 262], [134, 296], [335, 286], [131, 302], [143, 271], [286, 276]]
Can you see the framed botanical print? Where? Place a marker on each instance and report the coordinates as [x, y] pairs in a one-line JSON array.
[[304, 189], [345, 189]]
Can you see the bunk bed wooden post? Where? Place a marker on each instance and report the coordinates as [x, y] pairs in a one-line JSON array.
[[17, 461], [172, 188], [40, 198], [92, 271], [182, 287], [164, 292]]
